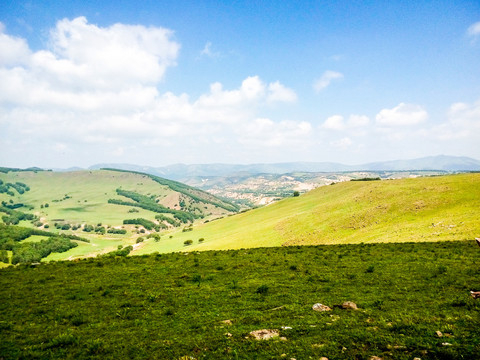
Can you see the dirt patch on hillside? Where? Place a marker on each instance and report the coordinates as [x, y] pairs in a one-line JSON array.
[[171, 201]]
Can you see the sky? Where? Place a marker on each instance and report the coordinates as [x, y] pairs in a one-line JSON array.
[[195, 82]]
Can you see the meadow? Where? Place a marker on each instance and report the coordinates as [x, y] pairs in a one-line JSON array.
[[82, 198], [413, 301], [408, 210]]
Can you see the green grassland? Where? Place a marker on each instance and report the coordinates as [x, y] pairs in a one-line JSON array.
[[420, 209], [82, 197], [174, 306]]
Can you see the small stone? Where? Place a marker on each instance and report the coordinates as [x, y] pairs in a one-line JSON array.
[[446, 344], [375, 358], [439, 333], [349, 305], [228, 334], [227, 322], [475, 294], [286, 327], [417, 358], [264, 334], [320, 307], [323, 358]]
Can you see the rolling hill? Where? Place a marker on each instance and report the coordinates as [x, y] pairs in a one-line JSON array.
[[420, 209], [103, 206]]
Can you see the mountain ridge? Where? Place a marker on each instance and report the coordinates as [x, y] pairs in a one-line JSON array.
[[180, 171]]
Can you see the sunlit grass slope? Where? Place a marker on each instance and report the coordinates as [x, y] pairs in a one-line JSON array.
[[81, 197], [420, 209], [88, 193]]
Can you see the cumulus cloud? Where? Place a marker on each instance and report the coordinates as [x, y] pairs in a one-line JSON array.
[[463, 121], [263, 131], [402, 115], [13, 50], [334, 122], [325, 80], [357, 121], [473, 31], [337, 122], [109, 57], [278, 92], [97, 86]]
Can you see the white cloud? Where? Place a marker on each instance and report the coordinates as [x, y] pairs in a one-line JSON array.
[[109, 57], [473, 31], [354, 122], [357, 121], [463, 121], [278, 92], [13, 50], [96, 88], [325, 80], [266, 132], [402, 115], [207, 51], [343, 143], [334, 122]]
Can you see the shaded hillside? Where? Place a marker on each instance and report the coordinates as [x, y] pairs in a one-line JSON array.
[[421, 209]]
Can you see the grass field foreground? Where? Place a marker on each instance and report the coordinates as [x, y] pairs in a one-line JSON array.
[[413, 301]]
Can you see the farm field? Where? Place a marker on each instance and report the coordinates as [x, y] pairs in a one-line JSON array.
[[421, 209], [413, 300]]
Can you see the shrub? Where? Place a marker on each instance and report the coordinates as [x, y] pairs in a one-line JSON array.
[[188, 242], [262, 289]]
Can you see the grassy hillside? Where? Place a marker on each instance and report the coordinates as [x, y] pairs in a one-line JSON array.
[[420, 209], [413, 301], [86, 198]]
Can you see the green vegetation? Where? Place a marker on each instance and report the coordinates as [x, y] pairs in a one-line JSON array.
[[414, 303], [367, 179], [148, 203], [195, 194], [14, 216], [15, 239], [421, 209], [407, 210], [149, 225], [73, 202]]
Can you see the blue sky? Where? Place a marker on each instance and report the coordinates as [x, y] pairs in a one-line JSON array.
[[162, 82]]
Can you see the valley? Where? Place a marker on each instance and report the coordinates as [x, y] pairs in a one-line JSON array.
[[115, 210]]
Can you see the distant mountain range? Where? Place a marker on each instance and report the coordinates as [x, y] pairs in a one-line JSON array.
[[182, 171]]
